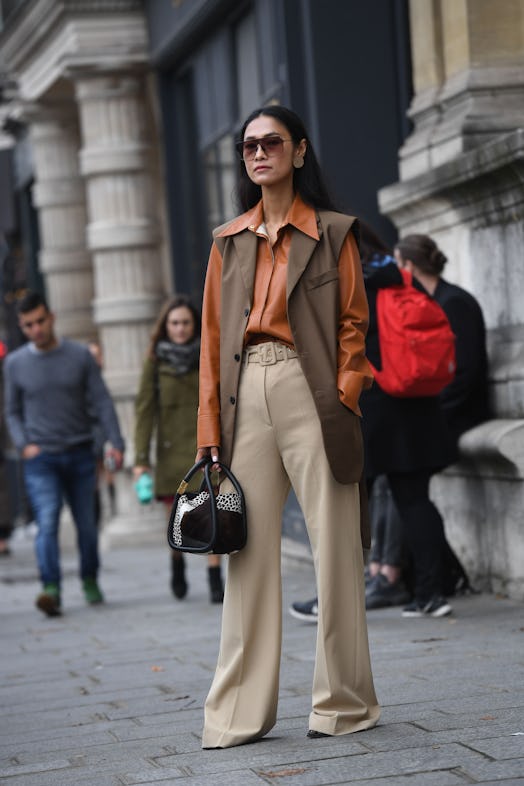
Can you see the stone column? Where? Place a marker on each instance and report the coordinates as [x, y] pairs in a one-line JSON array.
[[59, 196], [468, 78], [428, 69], [123, 235]]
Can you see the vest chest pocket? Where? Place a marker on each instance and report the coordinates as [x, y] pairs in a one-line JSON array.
[[323, 278]]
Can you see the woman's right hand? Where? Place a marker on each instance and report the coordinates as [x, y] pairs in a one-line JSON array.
[[214, 452], [30, 451], [140, 469]]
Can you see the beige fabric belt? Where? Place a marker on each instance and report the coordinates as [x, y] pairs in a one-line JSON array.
[[268, 353]]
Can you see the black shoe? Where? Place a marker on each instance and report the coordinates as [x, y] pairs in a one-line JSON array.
[[216, 588], [307, 611], [381, 593], [437, 606], [178, 578], [315, 735]]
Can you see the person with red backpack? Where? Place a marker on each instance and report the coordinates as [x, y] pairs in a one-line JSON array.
[[465, 400], [406, 438], [405, 432]]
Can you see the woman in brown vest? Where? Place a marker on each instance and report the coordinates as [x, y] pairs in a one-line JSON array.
[[281, 369]]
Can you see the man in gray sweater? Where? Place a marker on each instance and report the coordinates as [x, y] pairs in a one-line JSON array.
[[52, 388]]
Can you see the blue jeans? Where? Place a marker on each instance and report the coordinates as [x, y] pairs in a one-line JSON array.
[[50, 479]]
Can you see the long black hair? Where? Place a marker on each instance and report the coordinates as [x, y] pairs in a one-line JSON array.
[[371, 245], [308, 181]]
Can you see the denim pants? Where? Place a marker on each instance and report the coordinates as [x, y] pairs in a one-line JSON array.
[[50, 479]]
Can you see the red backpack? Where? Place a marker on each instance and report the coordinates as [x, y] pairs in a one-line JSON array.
[[417, 345]]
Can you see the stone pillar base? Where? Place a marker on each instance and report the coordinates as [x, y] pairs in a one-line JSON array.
[[481, 500], [134, 524], [147, 527]]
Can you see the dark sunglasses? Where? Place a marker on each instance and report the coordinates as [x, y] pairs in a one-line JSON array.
[[271, 146]]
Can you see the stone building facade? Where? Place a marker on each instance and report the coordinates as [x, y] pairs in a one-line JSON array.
[[84, 91], [461, 181], [87, 75]]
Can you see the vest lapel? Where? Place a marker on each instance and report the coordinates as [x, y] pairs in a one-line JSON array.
[[301, 249]]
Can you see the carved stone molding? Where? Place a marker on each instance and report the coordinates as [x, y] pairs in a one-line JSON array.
[[59, 196], [468, 64], [52, 35]]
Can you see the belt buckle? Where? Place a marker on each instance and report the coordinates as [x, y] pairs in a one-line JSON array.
[[267, 354]]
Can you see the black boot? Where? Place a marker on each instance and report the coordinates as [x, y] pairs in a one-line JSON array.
[[216, 588], [178, 577]]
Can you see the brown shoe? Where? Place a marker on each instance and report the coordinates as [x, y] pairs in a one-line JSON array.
[[49, 601]]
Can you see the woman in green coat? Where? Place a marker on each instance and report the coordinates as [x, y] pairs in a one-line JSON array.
[[166, 405]]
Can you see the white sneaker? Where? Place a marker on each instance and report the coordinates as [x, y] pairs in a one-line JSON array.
[[306, 611], [437, 606]]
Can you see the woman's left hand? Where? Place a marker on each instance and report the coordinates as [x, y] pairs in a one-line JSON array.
[[214, 452]]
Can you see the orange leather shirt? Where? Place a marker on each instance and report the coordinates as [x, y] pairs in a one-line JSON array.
[[268, 315]]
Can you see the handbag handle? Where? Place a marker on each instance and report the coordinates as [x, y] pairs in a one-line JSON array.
[[184, 483], [205, 463]]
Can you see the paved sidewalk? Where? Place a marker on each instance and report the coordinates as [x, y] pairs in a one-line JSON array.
[[113, 695]]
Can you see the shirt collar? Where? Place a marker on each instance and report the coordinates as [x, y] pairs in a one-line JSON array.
[[301, 216]]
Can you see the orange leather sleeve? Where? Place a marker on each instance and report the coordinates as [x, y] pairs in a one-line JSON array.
[[354, 373], [208, 424]]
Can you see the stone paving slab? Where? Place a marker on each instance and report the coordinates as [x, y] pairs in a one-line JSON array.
[[230, 778], [113, 696], [482, 770]]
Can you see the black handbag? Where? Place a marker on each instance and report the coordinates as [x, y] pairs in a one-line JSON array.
[[207, 522]]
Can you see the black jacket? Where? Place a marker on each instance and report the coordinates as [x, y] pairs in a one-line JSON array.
[[400, 434], [465, 400]]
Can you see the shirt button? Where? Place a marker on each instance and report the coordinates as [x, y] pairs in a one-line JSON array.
[[246, 312], [232, 399], [237, 357]]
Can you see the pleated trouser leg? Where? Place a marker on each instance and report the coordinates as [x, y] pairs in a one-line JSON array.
[[277, 440]]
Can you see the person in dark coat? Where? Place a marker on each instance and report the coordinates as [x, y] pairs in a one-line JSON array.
[[465, 401], [6, 522], [407, 440]]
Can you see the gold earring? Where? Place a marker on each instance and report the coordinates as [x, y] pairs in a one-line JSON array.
[[298, 162]]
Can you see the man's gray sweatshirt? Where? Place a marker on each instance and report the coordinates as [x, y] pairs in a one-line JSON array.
[[52, 396]]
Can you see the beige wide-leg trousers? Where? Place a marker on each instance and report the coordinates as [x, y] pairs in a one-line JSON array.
[[277, 441]]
